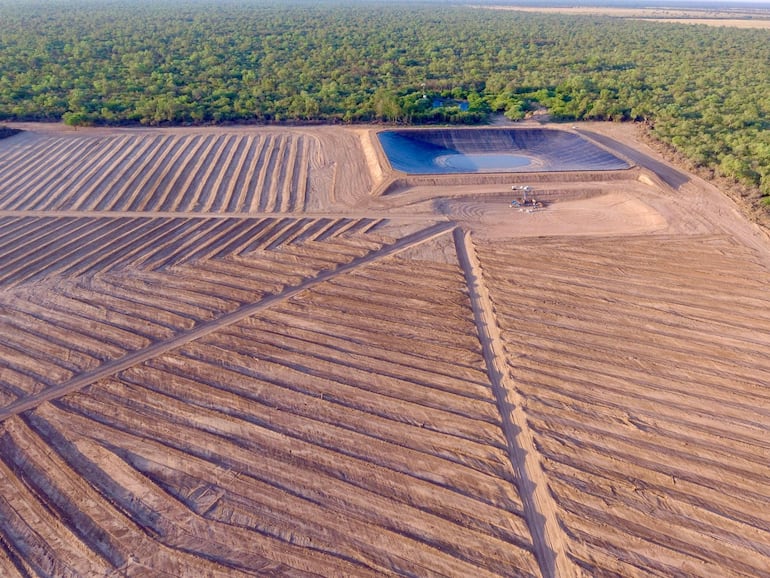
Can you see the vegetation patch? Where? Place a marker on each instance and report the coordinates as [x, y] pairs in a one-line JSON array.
[[699, 88]]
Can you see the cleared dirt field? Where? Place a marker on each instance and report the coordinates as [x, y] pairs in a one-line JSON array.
[[741, 16], [262, 351]]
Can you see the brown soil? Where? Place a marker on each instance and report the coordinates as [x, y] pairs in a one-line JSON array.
[[261, 351], [741, 17]]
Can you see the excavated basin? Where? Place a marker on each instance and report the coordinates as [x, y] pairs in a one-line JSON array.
[[493, 150]]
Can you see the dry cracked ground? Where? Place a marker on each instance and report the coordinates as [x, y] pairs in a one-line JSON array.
[[263, 352]]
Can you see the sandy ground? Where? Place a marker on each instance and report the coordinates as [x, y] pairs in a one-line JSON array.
[[251, 351], [734, 18]]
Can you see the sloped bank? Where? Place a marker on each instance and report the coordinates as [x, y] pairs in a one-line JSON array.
[[493, 150]]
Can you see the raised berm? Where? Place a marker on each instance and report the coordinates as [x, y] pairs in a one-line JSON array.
[[492, 150]]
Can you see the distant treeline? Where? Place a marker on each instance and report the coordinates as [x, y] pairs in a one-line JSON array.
[[706, 91]]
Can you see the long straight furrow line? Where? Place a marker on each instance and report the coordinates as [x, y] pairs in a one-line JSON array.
[[74, 174], [107, 187], [264, 176], [645, 396], [154, 194], [93, 173], [199, 173], [299, 186], [21, 179], [232, 191], [300, 438], [130, 188]]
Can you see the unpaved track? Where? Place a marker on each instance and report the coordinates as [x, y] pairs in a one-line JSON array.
[[539, 508], [260, 351]]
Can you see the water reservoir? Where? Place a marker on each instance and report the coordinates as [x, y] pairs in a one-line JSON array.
[[493, 150]]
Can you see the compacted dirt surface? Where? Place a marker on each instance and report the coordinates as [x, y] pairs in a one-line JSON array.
[[264, 352]]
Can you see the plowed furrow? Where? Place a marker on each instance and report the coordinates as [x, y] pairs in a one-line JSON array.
[[176, 527], [465, 362], [644, 293], [287, 237], [185, 186], [150, 293], [627, 346], [637, 536], [146, 166], [152, 196], [218, 195], [47, 186], [231, 194], [262, 172], [156, 190], [288, 192], [384, 324], [298, 183], [237, 239], [316, 230], [41, 370], [208, 181], [369, 379], [352, 246], [270, 175], [35, 533], [132, 249], [239, 275], [124, 324], [666, 317], [73, 249], [361, 397], [212, 242], [326, 298], [66, 492], [693, 424], [193, 289], [247, 189], [176, 249], [42, 234], [662, 382], [110, 188], [401, 366], [728, 539], [618, 435], [98, 170], [34, 182], [144, 298], [146, 553], [33, 344], [13, 228], [264, 426], [198, 280], [657, 335], [377, 497], [17, 165], [236, 394], [46, 324], [73, 188], [726, 495]]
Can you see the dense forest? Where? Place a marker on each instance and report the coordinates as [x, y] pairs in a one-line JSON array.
[[703, 90]]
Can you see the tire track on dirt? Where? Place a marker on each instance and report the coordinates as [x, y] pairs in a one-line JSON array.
[[539, 508], [158, 348]]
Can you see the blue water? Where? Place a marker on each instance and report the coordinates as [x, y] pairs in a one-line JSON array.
[[477, 163]]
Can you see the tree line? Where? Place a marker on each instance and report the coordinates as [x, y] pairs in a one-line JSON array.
[[705, 91]]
